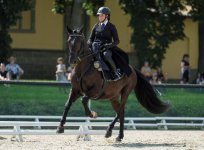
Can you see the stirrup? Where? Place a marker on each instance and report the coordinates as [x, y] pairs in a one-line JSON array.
[[117, 76]]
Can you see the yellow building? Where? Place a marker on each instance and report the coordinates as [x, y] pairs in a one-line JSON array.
[[40, 39]]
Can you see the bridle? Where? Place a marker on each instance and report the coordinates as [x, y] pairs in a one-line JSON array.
[[82, 56]]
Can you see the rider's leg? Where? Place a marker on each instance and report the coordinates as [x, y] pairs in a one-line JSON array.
[[108, 58]]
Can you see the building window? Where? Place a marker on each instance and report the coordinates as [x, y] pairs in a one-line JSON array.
[[26, 24]]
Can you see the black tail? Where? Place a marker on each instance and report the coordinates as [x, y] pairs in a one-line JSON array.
[[147, 96]]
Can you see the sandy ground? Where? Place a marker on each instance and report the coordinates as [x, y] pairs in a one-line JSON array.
[[139, 140]]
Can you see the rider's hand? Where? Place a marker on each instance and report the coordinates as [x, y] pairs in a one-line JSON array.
[[107, 45]]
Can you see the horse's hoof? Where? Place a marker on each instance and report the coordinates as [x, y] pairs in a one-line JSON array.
[[108, 134], [94, 114], [118, 139], [60, 129]]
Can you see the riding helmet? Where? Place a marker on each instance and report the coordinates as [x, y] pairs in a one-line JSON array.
[[103, 10]]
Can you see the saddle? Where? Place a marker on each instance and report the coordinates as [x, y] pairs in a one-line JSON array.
[[101, 65]]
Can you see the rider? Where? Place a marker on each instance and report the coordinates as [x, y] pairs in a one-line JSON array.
[[104, 32]]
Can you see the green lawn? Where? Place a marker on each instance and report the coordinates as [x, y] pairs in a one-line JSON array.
[[45, 100]]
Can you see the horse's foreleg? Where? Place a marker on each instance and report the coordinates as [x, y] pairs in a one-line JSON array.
[[116, 106], [72, 97], [88, 112]]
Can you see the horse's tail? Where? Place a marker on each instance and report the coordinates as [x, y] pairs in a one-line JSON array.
[[147, 96]]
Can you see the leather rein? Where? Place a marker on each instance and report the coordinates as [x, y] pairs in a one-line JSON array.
[[83, 57]]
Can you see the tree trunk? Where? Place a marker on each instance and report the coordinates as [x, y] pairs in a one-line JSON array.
[[201, 47], [73, 18]]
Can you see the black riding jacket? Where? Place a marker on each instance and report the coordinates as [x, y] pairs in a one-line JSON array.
[[108, 35]]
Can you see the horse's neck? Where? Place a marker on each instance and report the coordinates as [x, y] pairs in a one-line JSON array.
[[87, 60]]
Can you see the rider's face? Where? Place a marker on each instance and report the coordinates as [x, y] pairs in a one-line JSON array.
[[101, 17]]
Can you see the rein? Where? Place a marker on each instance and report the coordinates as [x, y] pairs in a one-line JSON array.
[[83, 57]]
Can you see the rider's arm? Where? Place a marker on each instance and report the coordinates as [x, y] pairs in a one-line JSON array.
[[114, 32], [92, 36], [115, 37]]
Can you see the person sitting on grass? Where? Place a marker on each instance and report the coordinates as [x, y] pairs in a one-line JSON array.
[[14, 69], [4, 75], [147, 71]]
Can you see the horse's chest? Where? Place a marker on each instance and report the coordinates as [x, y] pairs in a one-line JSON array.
[[91, 84]]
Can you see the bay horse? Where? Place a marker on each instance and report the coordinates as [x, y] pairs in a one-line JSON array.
[[87, 82]]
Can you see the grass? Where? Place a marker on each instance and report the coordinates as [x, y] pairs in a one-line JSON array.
[[50, 100]]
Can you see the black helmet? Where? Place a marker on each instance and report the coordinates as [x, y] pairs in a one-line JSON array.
[[103, 10]]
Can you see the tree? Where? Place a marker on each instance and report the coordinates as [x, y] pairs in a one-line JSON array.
[[74, 9], [155, 23], [158, 23], [75, 13], [10, 12]]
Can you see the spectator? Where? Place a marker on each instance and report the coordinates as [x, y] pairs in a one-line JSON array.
[[4, 75], [146, 71], [61, 70], [154, 78], [200, 79], [14, 69], [185, 69], [160, 76]]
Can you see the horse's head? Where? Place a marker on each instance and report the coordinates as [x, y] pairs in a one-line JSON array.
[[75, 42]]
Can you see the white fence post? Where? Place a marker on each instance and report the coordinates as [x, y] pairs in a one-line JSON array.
[[132, 125], [88, 121], [37, 120], [19, 137], [84, 133], [202, 127], [163, 126], [87, 136]]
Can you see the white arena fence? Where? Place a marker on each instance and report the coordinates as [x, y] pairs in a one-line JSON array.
[[68, 83], [84, 127]]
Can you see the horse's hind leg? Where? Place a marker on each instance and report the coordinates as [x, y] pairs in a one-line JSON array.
[[121, 131], [124, 97], [88, 112], [116, 106], [72, 97]]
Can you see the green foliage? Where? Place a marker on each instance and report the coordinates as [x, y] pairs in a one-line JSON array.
[[90, 6], [59, 6], [197, 11], [10, 12], [155, 23], [158, 23]]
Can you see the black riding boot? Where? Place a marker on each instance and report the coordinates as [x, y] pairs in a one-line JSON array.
[[108, 57], [116, 74]]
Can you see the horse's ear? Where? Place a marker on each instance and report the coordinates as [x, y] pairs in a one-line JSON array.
[[81, 29], [69, 30]]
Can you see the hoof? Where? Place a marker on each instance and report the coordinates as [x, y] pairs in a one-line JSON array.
[[118, 139], [60, 129], [94, 114], [108, 134]]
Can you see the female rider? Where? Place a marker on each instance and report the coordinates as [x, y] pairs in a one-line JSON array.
[[106, 33]]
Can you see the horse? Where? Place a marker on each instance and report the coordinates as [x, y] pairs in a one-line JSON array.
[[88, 83]]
